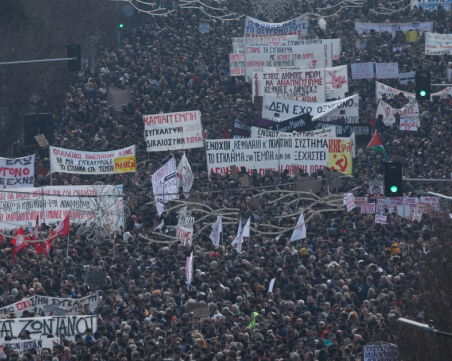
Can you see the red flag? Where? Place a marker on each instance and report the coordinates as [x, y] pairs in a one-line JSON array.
[[19, 243], [226, 135], [62, 229], [44, 247]]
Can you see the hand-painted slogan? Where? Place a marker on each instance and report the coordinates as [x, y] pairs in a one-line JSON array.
[[23, 346], [256, 28], [52, 204], [236, 64], [164, 182], [36, 304], [438, 44], [17, 172], [79, 162], [267, 133], [172, 131], [391, 27], [279, 154], [410, 112], [362, 70], [41, 327], [278, 109], [431, 5], [302, 85], [238, 44], [315, 56], [385, 90], [387, 70]]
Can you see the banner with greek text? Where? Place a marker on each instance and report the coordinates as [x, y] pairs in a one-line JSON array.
[[267, 133], [17, 172], [236, 64], [409, 112], [314, 56], [302, 85], [362, 70], [431, 5], [37, 304], [41, 327], [278, 109], [387, 70], [257, 28], [392, 28], [22, 346], [438, 44], [79, 162], [164, 182], [173, 131], [238, 44], [52, 204], [385, 90]]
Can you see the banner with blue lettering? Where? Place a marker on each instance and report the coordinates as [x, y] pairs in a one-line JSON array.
[[257, 28]]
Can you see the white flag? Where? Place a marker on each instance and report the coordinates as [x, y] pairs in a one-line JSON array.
[[239, 239], [246, 229], [217, 228], [189, 270], [270, 286], [300, 231], [184, 176], [160, 208]]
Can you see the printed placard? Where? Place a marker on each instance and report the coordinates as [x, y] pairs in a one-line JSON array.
[[367, 208], [236, 64], [387, 70], [17, 172], [350, 202], [359, 201], [380, 219], [362, 70]]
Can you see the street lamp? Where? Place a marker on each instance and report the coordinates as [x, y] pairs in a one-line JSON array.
[[427, 328]]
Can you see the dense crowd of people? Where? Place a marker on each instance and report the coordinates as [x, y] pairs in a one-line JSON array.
[[335, 291]]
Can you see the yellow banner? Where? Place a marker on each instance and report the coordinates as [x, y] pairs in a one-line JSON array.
[[411, 36], [340, 155], [125, 164]]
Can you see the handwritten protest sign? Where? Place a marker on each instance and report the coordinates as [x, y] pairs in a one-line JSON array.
[[237, 64], [380, 219], [96, 278], [349, 202], [368, 208], [267, 133], [362, 70], [17, 172], [79, 162], [257, 28], [387, 70], [381, 351], [42, 140], [238, 44], [409, 113], [438, 44], [173, 131], [404, 78], [164, 183], [22, 346]]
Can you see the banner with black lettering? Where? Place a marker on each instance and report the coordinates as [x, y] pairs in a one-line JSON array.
[[267, 133], [23, 346], [410, 112], [256, 28], [383, 90], [37, 304], [173, 131], [17, 172], [278, 109], [240, 129], [301, 85], [41, 327], [79, 162], [164, 182], [53, 203], [238, 44]]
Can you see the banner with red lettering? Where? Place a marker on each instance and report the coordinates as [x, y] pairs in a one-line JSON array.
[[236, 64], [383, 89], [173, 131], [17, 172], [409, 113], [78, 162]]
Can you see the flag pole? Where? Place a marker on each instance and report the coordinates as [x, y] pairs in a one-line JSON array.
[[67, 250]]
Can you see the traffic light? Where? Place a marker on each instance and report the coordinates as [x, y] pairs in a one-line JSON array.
[[121, 25], [423, 87], [393, 179], [73, 51]]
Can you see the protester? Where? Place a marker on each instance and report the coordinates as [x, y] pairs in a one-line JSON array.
[[335, 291]]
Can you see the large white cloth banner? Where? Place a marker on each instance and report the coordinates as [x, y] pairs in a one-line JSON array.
[[238, 44], [431, 5], [408, 112], [23, 346], [302, 85], [52, 204], [383, 89], [173, 131], [438, 44], [41, 327], [314, 56], [267, 133], [17, 172], [184, 176], [78, 162], [164, 182], [392, 28], [257, 28], [278, 109], [37, 304]]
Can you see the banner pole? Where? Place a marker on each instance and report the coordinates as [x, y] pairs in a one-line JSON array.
[[67, 251]]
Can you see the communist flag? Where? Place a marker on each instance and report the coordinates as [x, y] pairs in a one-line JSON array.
[[340, 155]]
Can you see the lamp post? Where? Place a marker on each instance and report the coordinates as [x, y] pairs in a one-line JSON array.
[[425, 327]]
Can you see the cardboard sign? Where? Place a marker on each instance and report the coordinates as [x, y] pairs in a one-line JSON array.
[[234, 172], [199, 310], [42, 140]]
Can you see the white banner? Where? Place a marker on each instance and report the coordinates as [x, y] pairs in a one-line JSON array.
[[17, 172], [36, 304], [267, 133], [184, 176], [382, 89], [238, 44], [79, 162], [315, 56], [41, 327], [431, 5], [236, 64], [409, 124], [387, 70], [173, 131], [381, 351], [363, 70], [438, 44], [52, 204], [391, 27], [22, 346], [368, 208], [409, 112], [404, 78], [302, 85], [278, 109], [257, 28], [184, 229], [164, 182], [380, 219]]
